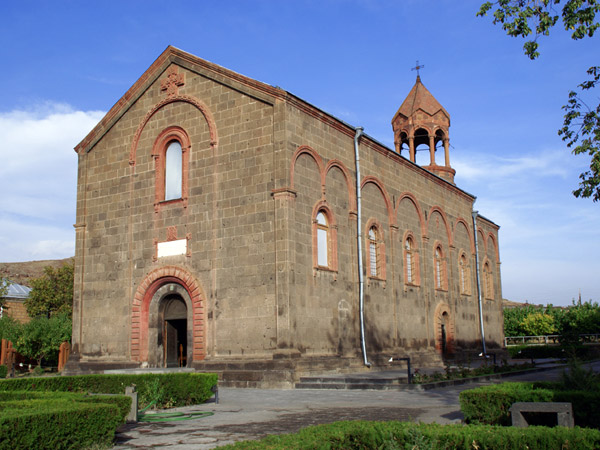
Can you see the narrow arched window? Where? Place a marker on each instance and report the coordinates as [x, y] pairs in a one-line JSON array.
[[373, 253], [465, 275], [322, 240], [409, 260], [173, 171], [171, 153], [438, 268], [488, 281], [439, 265]]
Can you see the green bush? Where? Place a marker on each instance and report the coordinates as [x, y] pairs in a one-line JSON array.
[[490, 404], [122, 402], [52, 420], [404, 435], [554, 351], [3, 371], [175, 389]]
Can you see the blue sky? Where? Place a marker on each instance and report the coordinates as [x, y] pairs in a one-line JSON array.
[[64, 64]]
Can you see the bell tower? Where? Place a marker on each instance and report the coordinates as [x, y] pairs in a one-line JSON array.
[[422, 120]]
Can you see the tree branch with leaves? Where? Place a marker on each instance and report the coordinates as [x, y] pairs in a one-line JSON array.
[[535, 18]]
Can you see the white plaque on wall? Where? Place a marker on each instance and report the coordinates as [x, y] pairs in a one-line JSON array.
[[172, 248]]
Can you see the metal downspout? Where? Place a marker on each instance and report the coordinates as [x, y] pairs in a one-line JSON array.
[[361, 283], [474, 214]]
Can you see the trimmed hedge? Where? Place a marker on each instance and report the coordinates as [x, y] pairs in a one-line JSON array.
[[583, 352], [168, 389], [57, 421], [400, 435], [490, 404], [3, 371]]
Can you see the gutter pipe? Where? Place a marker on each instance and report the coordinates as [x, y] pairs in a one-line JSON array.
[[475, 214], [361, 283]]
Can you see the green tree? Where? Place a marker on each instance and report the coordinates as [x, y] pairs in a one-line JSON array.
[[581, 126], [3, 291], [9, 328], [41, 337], [513, 319], [538, 324], [52, 293]]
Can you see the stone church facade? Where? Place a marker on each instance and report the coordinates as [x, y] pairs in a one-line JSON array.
[[217, 229]]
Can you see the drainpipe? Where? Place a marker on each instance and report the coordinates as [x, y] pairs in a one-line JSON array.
[[474, 214], [361, 283]]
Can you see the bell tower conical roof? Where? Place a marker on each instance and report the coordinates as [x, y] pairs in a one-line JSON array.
[[419, 98], [421, 119]]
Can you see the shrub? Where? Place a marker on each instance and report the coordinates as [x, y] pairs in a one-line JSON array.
[[490, 404], [553, 351], [45, 420], [401, 435], [178, 389], [3, 371]]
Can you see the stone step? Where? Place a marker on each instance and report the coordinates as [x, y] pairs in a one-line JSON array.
[[354, 380], [350, 386]]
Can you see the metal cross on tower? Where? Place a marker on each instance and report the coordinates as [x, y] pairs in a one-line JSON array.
[[417, 67]]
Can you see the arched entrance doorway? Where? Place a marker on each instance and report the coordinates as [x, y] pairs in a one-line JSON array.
[[170, 320], [147, 315], [444, 330], [174, 331]]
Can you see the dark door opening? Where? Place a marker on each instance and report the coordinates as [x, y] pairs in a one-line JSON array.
[[175, 333], [444, 342], [175, 342]]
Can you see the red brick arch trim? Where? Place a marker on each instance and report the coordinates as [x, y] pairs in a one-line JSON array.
[[415, 202], [212, 127], [462, 221], [141, 308], [349, 184], [386, 198], [445, 219], [438, 320], [306, 150]]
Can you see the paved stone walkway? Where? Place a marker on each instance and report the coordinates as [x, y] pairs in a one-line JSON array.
[[244, 414]]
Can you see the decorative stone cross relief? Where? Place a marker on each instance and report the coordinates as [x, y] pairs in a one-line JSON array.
[[171, 234], [172, 82]]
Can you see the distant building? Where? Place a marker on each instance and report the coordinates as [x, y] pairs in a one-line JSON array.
[[217, 228], [14, 305]]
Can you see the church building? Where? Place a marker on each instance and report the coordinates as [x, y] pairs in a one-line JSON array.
[[227, 225]]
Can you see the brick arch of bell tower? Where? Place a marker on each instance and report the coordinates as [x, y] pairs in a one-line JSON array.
[[143, 299]]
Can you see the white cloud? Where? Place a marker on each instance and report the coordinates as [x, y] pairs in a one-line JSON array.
[[38, 179], [548, 238]]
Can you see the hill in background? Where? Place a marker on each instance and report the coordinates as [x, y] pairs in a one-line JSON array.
[[24, 272]]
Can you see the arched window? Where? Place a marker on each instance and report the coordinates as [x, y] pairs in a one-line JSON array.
[[171, 157], [488, 281], [173, 174], [375, 250], [322, 240], [373, 257], [324, 232], [411, 261], [439, 266], [465, 275]]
